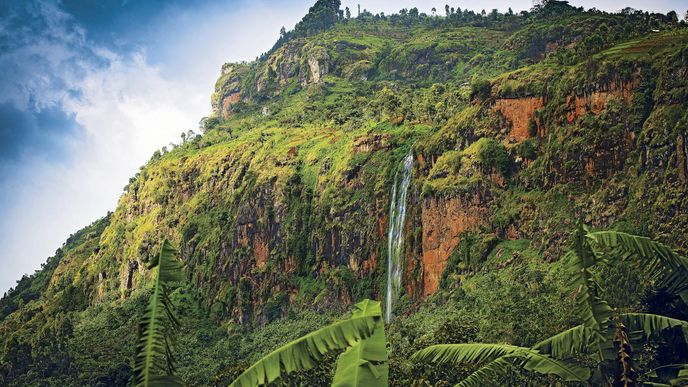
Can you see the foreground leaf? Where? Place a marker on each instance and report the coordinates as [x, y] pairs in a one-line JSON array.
[[498, 357], [364, 363], [657, 260], [155, 363], [305, 352]]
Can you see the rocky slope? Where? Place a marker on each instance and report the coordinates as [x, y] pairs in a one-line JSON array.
[[519, 126]]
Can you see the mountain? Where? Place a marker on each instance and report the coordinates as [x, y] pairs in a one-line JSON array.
[[458, 150]]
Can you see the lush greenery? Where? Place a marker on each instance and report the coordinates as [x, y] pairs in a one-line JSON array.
[[279, 206]]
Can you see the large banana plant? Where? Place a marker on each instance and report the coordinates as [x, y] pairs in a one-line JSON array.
[[498, 359], [155, 363], [604, 335], [364, 360]]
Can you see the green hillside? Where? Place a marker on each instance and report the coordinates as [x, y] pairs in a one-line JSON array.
[[520, 127]]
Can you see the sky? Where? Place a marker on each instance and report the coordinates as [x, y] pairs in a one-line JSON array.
[[89, 89]]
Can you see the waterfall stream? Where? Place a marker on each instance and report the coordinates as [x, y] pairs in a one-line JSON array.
[[395, 237]]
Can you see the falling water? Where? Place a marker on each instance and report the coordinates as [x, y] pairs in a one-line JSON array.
[[395, 238]]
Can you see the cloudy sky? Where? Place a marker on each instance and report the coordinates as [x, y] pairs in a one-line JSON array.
[[89, 89]]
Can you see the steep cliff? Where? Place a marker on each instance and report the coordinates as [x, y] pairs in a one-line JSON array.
[[281, 205]]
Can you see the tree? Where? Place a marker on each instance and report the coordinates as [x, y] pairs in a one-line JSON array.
[[364, 361], [347, 11], [155, 363], [433, 10], [481, 88], [673, 17], [604, 334], [283, 32], [183, 136], [446, 10]]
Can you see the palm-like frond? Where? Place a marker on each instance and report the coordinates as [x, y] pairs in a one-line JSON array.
[[488, 374], [365, 362], [499, 356], [303, 353], [594, 311], [657, 260], [651, 324], [565, 344], [668, 376], [155, 364]]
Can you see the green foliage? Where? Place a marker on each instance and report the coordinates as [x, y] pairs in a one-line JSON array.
[[365, 362], [279, 206], [155, 363], [304, 353], [481, 88], [492, 154], [656, 259], [498, 357], [601, 329]]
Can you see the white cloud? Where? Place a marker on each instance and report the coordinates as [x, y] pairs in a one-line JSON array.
[[127, 108]]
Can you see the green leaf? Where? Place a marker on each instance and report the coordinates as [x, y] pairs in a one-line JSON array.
[[155, 363], [668, 375], [365, 362], [594, 311], [565, 344], [499, 356], [657, 260], [488, 374], [651, 324], [303, 353]]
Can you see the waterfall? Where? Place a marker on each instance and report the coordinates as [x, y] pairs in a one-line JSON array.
[[395, 237]]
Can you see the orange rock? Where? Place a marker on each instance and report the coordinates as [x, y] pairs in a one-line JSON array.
[[443, 221], [261, 251], [596, 101], [519, 112], [511, 232], [229, 101]]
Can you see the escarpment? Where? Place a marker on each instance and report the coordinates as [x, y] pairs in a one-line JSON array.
[[421, 160], [270, 218], [284, 201]]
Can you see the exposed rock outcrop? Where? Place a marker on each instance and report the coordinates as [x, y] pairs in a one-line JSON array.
[[520, 113], [594, 102], [443, 220]]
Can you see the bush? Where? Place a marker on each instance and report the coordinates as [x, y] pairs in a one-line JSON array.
[[492, 154], [481, 88]]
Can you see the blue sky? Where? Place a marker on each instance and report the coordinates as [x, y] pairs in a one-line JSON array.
[[89, 89]]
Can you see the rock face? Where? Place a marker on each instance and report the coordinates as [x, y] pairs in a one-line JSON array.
[[594, 102], [520, 113], [443, 219]]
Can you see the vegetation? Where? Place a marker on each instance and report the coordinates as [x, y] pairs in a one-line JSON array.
[[158, 326], [604, 334], [520, 124], [363, 362]]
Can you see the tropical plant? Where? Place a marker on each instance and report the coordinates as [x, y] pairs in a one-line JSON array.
[[363, 362], [155, 363], [499, 358], [605, 337]]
